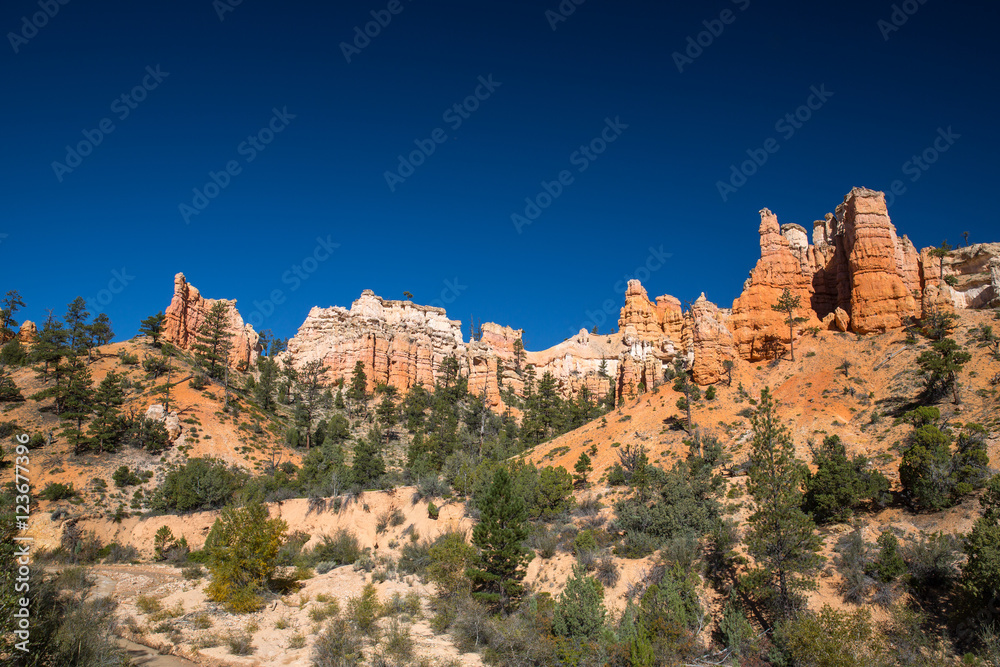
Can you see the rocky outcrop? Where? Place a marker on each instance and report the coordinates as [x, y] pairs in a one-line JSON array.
[[758, 330], [878, 263], [170, 420], [28, 332], [970, 275], [711, 341], [400, 343], [187, 312]]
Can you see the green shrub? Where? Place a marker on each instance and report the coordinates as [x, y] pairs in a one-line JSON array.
[[341, 548], [243, 556], [57, 491], [364, 610], [889, 563], [710, 393], [201, 483], [432, 511], [932, 561], [124, 477], [338, 645], [844, 639], [580, 612], [841, 485], [584, 542], [933, 478]]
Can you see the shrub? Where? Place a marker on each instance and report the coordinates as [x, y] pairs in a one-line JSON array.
[[580, 612], [414, 557], [124, 477], [584, 542], [201, 483], [841, 485], [932, 477], [365, 609], [450, 556], [338, 645], [889, 563], [544, 540], [710, 393], [342, 548], [240, 643], [198, 382], [56, 491], [932, 560], [128, 359], [244, 556], [554, 493], [833, 638], [607, 571], [432, 511], [118, 553], [398, 642]]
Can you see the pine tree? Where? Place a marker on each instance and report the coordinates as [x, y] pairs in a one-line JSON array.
[[52, 345], [76, 324], [579, 613], [75, 402], [106, 427], [387, 414], [357, 394], [788, 304], [782, 539], [100, 331], [214, 343], [583, 467], [9, 306], [152, 327], [518, 354], [941, 367], [264, 389], [368, 465], [503, 526], [9, 391], [981, 572], [309, 389]]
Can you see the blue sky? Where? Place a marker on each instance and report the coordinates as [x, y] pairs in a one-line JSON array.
[[590, 115]]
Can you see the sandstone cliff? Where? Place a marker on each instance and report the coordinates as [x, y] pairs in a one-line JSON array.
[[187, 312]]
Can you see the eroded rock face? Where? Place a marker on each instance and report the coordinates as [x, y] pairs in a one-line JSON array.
[[187, 312], [28, 332], [857, 275], [877, 264], [712, 342], [756, 327], [400, 343], [170, 420]]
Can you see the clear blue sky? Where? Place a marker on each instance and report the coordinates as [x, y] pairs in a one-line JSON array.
[[444, 232]]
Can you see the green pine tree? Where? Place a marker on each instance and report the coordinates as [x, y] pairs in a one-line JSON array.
[[100, 331], [357, 394], [213, 342], [311, 395], [503, 526], [75, 401], [781, 538], [579, 613], [76, 324], [152, 327], [106, 427], [788, 304], [9, 306]]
